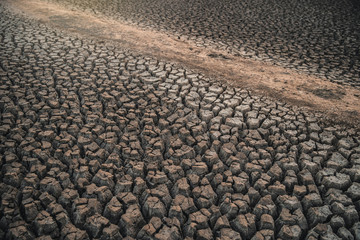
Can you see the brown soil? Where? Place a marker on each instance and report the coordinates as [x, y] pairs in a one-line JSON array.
[[339, 103]]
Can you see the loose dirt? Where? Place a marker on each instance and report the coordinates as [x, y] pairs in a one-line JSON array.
[[338, 103]]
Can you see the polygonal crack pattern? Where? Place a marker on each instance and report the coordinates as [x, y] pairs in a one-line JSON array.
[[99, 143], [318, 38]]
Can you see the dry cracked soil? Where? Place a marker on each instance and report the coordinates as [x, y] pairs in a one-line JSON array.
[[105, 136]]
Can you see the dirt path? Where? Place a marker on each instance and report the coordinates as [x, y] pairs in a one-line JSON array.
[[339, 103]]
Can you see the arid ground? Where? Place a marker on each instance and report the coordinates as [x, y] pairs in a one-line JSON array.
[[171, 119]]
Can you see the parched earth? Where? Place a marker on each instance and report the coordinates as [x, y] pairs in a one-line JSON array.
[[321, 37], [98, 142]]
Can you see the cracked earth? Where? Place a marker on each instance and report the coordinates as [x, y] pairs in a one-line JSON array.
[[102, 141]]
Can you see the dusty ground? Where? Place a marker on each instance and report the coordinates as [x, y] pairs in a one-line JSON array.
[[316, 37], [340, 103], [98, 141]]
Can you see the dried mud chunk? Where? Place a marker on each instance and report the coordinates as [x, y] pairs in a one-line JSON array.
[[153, 207], [156, 178], [176, 212], [253, 123], [103, 194], [235, 122], [305, 177], [162, 192], [265, 206], [113, 210], [267, 222], [354, 191], [228, 234], [62, 218], [206, 193], [132, 221], [337, 222], [223, 188], [204, 234], [351, 216], [51, 185], [13, 177], [139, 186], [70, 232], [20, 232], [127, 198], [187, 204], [111, 232], [95, 224], [221, 222], [45, 224], [168, 232], [124, 185], [183, 153], [150, 229], [285, 218], [67, 197], [355, 230], [245, 224], [337, 161], [344, 233], [263, 234], [82, 208], [206, 115], [181, 187], [174, 172], [312, 200], [275, 172], [199, 220], [289, 202], [290, 232], [103, 178], [277, 189], [199, 168], [317, 215], [339, 181], [31, 209]]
